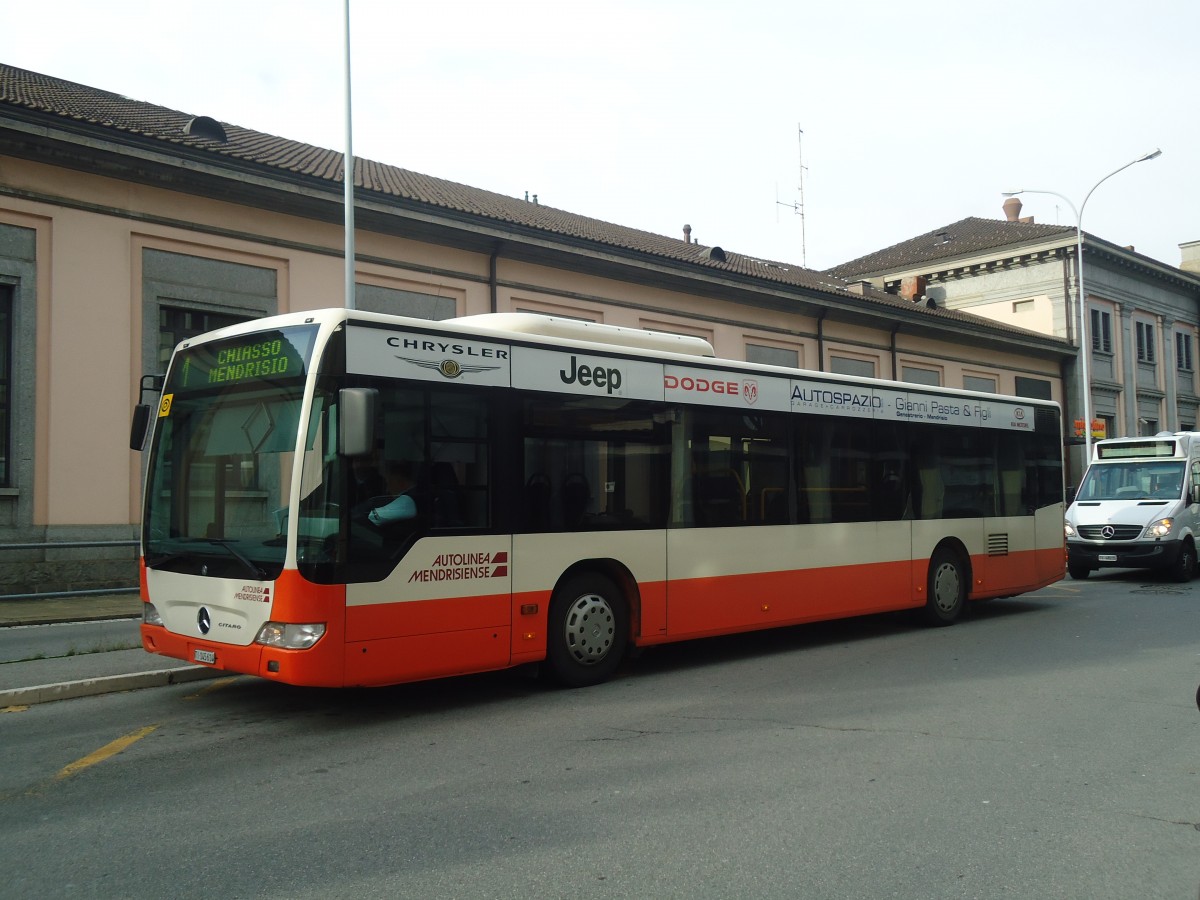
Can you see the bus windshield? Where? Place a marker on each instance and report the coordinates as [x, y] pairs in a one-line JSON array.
[[1137, 479], [221, 461]]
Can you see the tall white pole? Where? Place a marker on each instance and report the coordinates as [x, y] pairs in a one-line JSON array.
[[1085, 346], [348, 174]]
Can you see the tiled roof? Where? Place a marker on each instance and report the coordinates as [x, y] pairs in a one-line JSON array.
[[92, 106], [963, 238], [146, 122]]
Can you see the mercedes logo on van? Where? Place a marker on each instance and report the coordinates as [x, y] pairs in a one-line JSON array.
[[1107, 532], [204, 620]]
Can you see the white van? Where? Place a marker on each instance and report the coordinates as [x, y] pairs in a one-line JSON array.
[[1138, 506]]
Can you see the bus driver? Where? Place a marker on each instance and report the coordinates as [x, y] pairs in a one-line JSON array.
[[400, 484]]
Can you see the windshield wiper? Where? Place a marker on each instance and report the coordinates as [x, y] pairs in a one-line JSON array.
[[241, 557], [237, 554]]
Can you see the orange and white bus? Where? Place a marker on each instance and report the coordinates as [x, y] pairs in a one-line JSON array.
[[569, 490]]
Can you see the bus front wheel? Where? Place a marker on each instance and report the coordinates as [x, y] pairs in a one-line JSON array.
[[947, 588], [588, 631]]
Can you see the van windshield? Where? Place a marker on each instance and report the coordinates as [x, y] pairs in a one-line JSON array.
[[1133, 480]]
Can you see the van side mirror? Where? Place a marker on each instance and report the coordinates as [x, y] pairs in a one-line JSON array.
[[356, 421]]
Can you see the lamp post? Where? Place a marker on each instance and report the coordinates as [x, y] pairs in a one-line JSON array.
[[1085, 349]]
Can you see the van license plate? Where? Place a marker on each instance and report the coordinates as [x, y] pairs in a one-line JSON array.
[[205, 656], [1104, 557]]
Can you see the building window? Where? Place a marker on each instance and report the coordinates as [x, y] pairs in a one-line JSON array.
[[979, 383], [177, 324], [1036, 388], [1145, 341], [844, 365], [1101, 331], [1183, 351], [6, 336], [918, 375], [773, 356], [373, 298]]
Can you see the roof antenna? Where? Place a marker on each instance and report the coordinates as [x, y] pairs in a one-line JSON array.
[[798, 206]]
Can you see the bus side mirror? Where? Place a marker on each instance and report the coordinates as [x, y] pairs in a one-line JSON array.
[[140, 427], [356, 425]]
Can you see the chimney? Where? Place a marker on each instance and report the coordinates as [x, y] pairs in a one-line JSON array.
[[912, 288], [687, 234], [1012, 209]]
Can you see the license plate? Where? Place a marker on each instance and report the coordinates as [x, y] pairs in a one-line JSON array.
[[1104, 557], [205, 656]]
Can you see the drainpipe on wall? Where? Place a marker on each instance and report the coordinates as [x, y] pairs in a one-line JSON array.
[[892, 348], [1068, 425], [492, 276], [821, 340], [1067, 272]]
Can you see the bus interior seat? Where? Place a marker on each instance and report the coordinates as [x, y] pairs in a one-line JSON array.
[[537, 502], [447, 496], [772, 506], [720, 498], [575, 496]]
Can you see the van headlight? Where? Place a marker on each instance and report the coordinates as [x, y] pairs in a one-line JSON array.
[[1070, 532], [1160, 529], [290, 636]]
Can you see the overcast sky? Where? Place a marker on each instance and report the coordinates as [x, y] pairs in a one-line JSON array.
[[657, 113]]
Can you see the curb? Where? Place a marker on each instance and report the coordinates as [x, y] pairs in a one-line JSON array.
[[84, 619], [108, 684]]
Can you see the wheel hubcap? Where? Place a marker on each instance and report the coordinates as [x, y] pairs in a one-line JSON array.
[[946, 587], [589, 629]]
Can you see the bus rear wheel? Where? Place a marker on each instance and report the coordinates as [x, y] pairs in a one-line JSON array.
[[588, 631], [946, 592]]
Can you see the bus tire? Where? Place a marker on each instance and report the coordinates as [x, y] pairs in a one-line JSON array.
[[588, 630], [1185, 566], [947, 588]]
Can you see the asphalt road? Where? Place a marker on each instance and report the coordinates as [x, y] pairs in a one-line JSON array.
[[1046, 747]]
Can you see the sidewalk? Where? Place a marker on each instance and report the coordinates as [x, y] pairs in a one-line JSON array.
[[65, 677]]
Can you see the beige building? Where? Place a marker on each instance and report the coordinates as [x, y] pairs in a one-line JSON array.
[[125, 227], [1143, 315]]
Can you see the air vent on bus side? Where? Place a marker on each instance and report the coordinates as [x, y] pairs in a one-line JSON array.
[[997, 545]]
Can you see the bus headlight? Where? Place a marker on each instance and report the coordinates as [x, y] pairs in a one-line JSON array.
[[1160, 529], [1070, 532], [290, 636], [151, 615]]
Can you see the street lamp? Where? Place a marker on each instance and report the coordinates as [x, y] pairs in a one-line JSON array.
[[1085, 349]]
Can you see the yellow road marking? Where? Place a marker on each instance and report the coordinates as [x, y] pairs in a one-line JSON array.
[[110, 749], [9, 709]]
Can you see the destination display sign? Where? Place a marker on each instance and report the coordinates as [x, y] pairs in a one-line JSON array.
[[264, 355], [1137, 449]]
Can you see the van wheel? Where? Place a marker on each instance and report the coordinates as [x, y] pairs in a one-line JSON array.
[[1078, 572], [1185, 566], [947, 588], [587, 632]]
